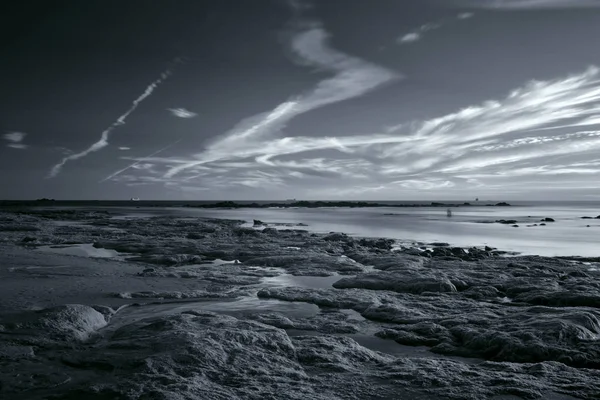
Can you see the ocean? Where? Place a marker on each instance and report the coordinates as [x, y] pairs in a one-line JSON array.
[[569, 235]]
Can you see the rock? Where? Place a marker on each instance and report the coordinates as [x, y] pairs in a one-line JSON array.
[[439, 244], [586, 217], [70, 322], [258, 223], [548, 219], [502, 204], [515, 226], [337, 237], [397, 282], [542, 224], [507, 221], [28, 239], [384, 244]]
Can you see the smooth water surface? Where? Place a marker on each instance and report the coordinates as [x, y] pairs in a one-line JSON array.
[[468, 226]]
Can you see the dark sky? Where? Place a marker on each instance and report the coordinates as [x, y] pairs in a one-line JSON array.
[[322, 99]]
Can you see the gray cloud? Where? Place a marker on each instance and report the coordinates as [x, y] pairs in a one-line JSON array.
[[474, 146], [105, 135], [181, 113], [409, 37], [352, 78], [14, 140], [530, 4], [418, 33]]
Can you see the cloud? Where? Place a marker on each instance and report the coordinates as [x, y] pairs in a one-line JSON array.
[[417, 34], [139, 162], [352, 77], [105, 135], [20, 146], [182, 113], [465, 15], [15, 139], [534, 132], [410, 37], [530, 4]]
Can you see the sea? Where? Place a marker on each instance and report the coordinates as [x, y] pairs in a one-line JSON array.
[[569, 235]]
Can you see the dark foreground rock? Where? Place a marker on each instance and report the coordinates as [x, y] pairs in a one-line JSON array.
[[528, 325], [194, 355]]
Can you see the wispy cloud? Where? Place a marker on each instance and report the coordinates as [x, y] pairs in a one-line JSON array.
[[530, 4], [105, 135], [465, 15], [182, 113], [410, 37], [139, 161], [419, 32], [353, 77], [14, 140], [472, 147], [19, 146]]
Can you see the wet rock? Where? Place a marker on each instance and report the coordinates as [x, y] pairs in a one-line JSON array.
[[439, 244], [337, 237], [506, 221], [258, 222], [328, 322], [548, 219], [71, 322], [396, 282], [384, 244]]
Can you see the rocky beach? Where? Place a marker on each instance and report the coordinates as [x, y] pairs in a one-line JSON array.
[[96, 305]]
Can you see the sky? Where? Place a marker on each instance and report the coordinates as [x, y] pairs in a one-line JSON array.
[[305, 99]]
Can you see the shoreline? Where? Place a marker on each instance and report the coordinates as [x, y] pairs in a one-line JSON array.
[[234, 205], [289, 308]]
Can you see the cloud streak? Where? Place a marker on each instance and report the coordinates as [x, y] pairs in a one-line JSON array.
[[471, 147], [531, 4], [139, 162], [353, 77], [14, 140], [418, 33], [105, 135], [181, 113]]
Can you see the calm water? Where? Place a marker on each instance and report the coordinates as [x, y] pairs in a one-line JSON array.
[[568, 236]]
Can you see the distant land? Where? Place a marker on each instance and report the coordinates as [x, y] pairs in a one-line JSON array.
[[232, 204]]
